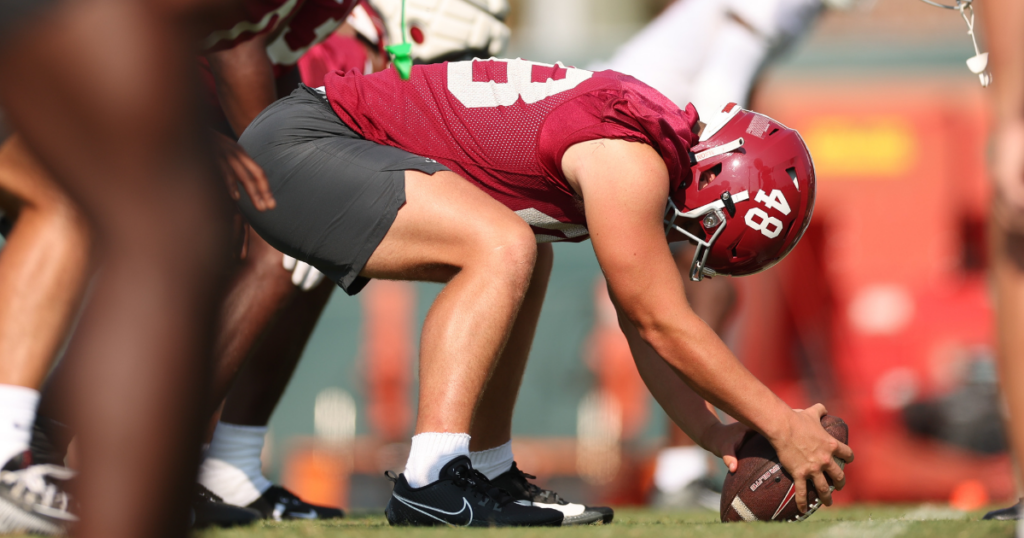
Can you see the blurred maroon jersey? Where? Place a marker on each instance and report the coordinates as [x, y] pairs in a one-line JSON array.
[[336, 53], [253, 18], [315, 20], [505, 124]]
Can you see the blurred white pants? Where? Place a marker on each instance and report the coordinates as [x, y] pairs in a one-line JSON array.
[[709, 52]]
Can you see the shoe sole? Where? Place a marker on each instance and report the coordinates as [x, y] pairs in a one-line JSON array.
[[15, 519]]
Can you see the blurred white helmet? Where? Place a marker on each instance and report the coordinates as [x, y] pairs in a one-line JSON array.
[[442, 30]]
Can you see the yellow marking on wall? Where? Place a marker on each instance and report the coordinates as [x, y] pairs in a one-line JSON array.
[[861, 148]]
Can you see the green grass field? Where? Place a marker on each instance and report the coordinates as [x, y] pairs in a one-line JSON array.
[[847, 522]]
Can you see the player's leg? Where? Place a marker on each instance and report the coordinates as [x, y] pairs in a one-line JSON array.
[[43, 271], [491, 434], [232, 468], [450, 231], [492, 424], [116, 129], [1006, 239], [264, 377], [259, 291]]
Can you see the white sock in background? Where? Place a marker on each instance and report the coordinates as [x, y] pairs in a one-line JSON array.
[[678, 466], [232, 467], [430, 452], [493, 461], [17, 413]]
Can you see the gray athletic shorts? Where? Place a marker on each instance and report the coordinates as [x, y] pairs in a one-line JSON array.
[[337, 193]]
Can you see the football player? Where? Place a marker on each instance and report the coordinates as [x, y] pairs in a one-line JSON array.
[[463, 174], [232, 468]]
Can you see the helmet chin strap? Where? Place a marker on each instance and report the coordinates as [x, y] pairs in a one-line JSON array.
[[713, 217]]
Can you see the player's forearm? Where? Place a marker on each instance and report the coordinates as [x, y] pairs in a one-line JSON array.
[[1003, 21], [245, 81], [693, 350], [684, 406]]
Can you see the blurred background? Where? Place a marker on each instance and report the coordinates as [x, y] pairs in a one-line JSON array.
[[882, 312]]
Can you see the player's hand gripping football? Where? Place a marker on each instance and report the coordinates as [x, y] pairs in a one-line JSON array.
[[724, 440], [238, 167], [808, 452]]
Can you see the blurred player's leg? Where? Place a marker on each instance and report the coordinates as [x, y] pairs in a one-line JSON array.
[[99, 90], [43, 270], [1004, 26]]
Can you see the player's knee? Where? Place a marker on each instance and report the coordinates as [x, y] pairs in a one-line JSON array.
[[508, 248]]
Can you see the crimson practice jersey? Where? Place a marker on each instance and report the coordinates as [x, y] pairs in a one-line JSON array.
[[253, 18], [314, 21], [505, 124]]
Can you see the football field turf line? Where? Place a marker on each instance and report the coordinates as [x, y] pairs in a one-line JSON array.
[[846, 522]]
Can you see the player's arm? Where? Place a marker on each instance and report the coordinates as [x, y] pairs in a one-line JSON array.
[[245, 81], [245, 86], [684, 406], [624, 186]]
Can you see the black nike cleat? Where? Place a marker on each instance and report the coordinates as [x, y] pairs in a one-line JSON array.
[[517, 484], [280, 504], [33, 500], [1006, 514], [462, 497], [209, 510]]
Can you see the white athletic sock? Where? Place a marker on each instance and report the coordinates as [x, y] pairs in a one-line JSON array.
[[678, 466], [17, 413], [430, 452], [493, 461], [232, 468]]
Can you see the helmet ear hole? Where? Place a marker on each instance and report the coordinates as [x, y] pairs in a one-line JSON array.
[[709, 175]]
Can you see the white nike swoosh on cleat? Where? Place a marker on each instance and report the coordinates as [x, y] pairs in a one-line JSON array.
[[569, 510], [426, 510]]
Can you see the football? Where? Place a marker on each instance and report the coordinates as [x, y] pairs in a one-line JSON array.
[[761, 490]]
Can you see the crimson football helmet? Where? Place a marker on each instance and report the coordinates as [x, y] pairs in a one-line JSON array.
[[750, 196]]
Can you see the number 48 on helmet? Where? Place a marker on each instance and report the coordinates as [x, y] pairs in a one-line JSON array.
[[750, 197]]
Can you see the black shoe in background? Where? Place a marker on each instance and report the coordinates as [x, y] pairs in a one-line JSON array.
[[1006, 514], [50, 440], [518, 485], [280, 504], [462, 497], [209, 510]]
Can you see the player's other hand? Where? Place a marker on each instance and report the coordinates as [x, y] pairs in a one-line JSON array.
[[238, 167], [808, 453], [724, 440], [304, 275]]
